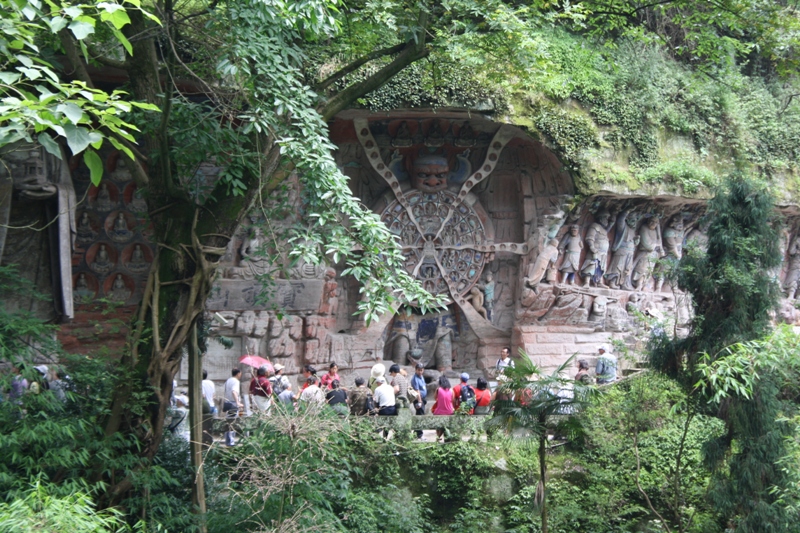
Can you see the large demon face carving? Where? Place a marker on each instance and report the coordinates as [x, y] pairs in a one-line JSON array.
[[429, 173]]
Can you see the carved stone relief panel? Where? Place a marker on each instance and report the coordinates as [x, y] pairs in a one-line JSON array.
[[112, 254]]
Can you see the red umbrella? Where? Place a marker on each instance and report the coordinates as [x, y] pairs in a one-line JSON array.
[[256, 362]]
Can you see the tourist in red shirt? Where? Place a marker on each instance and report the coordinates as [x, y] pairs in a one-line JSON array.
[[483, 398], [333, 374], [261, 390], [461, 391]]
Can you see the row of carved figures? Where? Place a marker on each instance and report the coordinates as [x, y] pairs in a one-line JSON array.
[[640, 253]]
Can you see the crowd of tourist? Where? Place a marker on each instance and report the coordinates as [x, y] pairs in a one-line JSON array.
[[382, 394], [42, 378]]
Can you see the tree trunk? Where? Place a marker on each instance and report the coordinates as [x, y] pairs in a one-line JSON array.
[[196, 429], [187, 253], [542, 476]]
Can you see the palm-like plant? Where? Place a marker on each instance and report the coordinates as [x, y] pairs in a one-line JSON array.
[[529, 399]]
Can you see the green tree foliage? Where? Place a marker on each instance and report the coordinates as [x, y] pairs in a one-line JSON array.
[[42, 512], [35, 102], [733, 290], [733, 293], [311, 470], [533, 401], [756, 387]]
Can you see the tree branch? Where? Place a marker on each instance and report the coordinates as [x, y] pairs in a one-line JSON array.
[[74, 58], [200, 13], [341, 73], [413, 51], [103, 59]]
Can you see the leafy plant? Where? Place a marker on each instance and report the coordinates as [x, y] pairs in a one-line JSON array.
[[34, 101], [37, 510]]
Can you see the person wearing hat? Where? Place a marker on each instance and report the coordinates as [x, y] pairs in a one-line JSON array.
[[384, 398], [464, 393], [606, 368], [278, 381], [377, 371]]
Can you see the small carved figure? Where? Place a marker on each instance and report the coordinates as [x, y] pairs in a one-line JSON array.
[[673, 238], [82, 293], [119, 291], [402, 138], [648, 252], [544, 265], [409, 234], [401, 344], [597, 242], [253, 264], [698, 238], [449, 237], [138, 203], [138, 263], [120, 232], [330, 294], [673, 249], [85, 233], [792, 281], [475, 296], [571, 246], [783, 236], [466, 137], [435, 137], [488, 294], [598, 311], [625, 242], [103, 201], [102, 262]]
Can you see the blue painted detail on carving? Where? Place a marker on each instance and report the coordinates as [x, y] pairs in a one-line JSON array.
[[427, 329]]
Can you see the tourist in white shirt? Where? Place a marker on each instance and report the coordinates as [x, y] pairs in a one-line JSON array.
[[209, 391], [384, 398], [504, 361], [232, 404], [312, 392]]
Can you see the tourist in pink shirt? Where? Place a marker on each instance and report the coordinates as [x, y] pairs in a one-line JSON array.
[[444, 398], [444, 401]]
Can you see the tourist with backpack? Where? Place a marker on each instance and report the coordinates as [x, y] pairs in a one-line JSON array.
[[464, 394], [360, 399], [504, 362], [278, 381]]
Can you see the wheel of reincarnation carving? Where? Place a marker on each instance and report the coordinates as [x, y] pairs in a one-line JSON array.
[[438, 240]]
